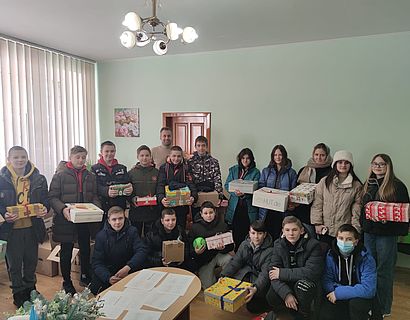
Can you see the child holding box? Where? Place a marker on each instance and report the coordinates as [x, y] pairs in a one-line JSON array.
[[166, 229], [144, 178], [174, 173], [22, 184], [295, 271], [250, 264], [73, 183], [208, 225], [109, 174], [118, 252]]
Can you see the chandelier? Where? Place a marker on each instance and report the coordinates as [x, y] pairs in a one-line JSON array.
[[142, 31]]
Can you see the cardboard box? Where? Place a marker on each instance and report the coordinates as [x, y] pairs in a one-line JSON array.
[[272, 199], [25, 211], [120, 188], [3, 247], [180, 197], [212, 196], [146, 201], [85, 212], [173, 251], [219, 239], [244, 186], [303, 193], [227, 294], [46, 267], [387, 211]]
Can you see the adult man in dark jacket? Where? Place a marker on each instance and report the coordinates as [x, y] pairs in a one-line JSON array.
[[295, 271], [118, 251]]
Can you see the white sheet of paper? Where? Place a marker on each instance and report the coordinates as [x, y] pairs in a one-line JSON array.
[[132, 299], [146, 279], [110, 300], [142, 315], [159, 300], [175, 284]]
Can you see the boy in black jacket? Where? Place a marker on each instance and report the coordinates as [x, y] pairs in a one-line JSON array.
[[295, 271], [208, 225], [21, 183], [118, 251], [174, 173], [166, 229], [109, 173]]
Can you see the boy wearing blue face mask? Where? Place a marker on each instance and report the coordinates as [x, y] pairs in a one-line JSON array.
[[349, 281]]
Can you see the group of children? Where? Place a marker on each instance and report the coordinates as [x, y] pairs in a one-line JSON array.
[[278, 253]]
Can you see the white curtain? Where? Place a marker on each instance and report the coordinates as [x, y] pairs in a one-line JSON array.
[[47, 102]]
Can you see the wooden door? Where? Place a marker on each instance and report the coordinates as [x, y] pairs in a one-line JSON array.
[[186, 126]]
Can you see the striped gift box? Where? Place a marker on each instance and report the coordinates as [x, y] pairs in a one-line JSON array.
[[387, 211]]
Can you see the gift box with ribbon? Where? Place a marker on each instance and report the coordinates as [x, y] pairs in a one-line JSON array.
[[120, 188], [178, 197], [387, 211], [145, 201], [25, 211], [303, 193], [227, 294]]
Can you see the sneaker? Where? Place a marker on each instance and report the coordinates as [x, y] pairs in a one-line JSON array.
[[386, 315], [19, 298], [84, 280], [69, 288]]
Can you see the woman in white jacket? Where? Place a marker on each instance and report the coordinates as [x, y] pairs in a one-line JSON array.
[[337, 198]]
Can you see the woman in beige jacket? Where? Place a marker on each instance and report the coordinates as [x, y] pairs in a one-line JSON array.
[[337, 198]]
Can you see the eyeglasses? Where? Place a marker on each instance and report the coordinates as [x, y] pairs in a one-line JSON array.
[[378, 164]]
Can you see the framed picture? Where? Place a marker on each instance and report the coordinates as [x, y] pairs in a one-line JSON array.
[[127, 122]]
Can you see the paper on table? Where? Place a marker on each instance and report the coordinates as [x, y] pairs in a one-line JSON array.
[[142, 315], [131, 299], [110, 299], [146, 279], [160, 300], [175, 284]]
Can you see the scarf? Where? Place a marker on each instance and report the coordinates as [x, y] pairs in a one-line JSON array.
[[308, 174], [109, 167], [78, 174], [22, 187]]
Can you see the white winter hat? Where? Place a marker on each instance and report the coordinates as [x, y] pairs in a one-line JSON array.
[[343, 155]]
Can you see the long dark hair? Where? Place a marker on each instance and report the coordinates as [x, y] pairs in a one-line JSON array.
[[334, 173], [284, 161], [246, 151]]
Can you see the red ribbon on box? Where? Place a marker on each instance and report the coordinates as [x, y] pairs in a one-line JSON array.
[[387, 211]]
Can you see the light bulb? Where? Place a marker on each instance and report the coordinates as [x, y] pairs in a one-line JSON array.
[[142, 38], [173, 31], [132, 21], [160, 47], [189, 35], [128, 39]]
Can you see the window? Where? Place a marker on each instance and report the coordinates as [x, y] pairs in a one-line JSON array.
[[47, 102]]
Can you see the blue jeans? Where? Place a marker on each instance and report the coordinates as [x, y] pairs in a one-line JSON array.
[[384, 251]]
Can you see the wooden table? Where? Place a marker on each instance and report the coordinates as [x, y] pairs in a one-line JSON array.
[[180, 309]]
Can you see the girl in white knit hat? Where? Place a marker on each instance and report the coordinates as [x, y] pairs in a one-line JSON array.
[[337, 198]]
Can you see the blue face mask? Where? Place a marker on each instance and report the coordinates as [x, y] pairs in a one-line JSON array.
[[345, 247]]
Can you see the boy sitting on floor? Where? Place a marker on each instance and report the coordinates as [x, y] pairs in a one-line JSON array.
[[350, 278], [118, 251]]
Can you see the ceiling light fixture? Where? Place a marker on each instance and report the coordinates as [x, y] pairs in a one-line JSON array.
[[142, 31]]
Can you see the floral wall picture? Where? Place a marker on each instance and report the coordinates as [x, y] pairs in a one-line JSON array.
[[127, 122]]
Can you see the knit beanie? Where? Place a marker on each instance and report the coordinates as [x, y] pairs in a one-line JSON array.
[[343, 155]]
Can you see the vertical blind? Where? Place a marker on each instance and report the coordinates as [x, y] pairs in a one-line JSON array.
[[47, 102]]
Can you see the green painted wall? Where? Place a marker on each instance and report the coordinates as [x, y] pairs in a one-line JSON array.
[[350, 93]]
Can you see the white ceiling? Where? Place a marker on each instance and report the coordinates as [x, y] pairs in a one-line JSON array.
[[91, 28]]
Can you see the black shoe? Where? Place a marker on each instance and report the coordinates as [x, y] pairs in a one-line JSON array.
[[69, 288], [84, 280], [19, 298]]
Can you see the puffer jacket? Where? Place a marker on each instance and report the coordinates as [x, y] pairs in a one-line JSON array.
[[204, 229], [253, 175], [154, 241], [144, 183], [309, 262], [105, 179], [338, 205], [114, 250], [65, 189], [387, 228], [285, 179], [251, 262], [37, 194], [363, 267], [205, 170]]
